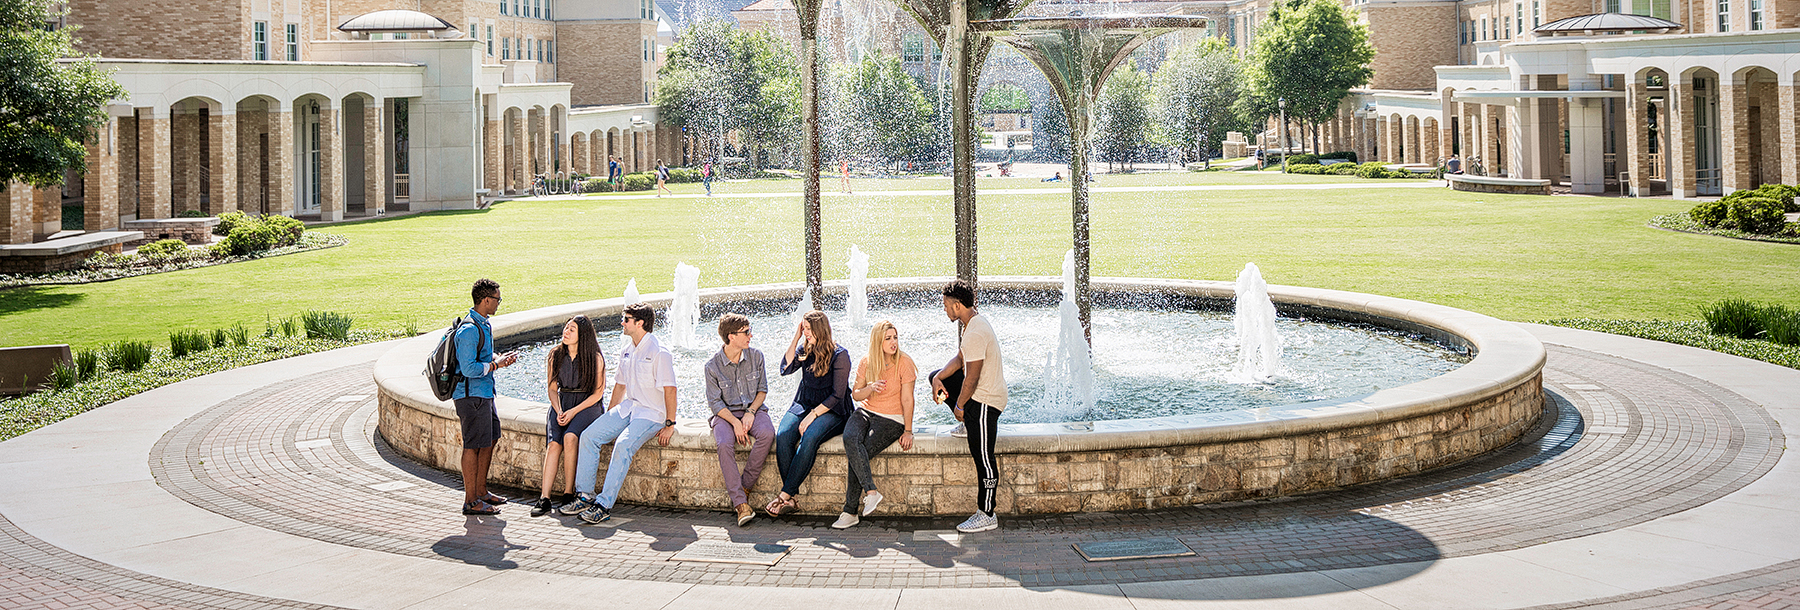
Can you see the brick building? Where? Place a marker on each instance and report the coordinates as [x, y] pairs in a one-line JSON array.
[[325, 109]]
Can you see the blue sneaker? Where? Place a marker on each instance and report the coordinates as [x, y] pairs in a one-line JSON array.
[[576, 506], [979, 522], [595, 515]]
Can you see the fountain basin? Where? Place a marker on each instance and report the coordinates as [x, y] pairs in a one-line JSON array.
[[1058, 467]]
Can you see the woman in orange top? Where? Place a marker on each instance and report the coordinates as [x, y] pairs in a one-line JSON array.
[[884, 385]]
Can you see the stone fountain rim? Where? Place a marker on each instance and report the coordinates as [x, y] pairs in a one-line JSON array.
[[1506, 357]]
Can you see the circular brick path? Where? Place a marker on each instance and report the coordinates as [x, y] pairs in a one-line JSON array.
[[1622, 443]]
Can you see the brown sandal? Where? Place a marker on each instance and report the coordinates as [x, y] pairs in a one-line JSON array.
[[777, 507], [479, 508]]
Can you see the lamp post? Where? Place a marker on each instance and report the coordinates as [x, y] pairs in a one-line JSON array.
[[1281, 102]]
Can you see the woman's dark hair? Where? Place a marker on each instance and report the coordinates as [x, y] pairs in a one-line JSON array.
[[642, 311], [587, 356], [961, 291], [484, 288]]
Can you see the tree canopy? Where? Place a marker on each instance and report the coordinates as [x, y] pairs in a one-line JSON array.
[[881, 111], [48, 106], [1311, 52], [1195, 95], [719, 80], [1122, 129]]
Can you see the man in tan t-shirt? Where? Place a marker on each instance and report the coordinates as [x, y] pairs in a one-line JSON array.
[[974, 384]]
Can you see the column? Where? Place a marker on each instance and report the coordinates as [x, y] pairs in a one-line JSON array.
[[128, 166], [249, 162], [1524, 126], [1587, 146], [331, 161], [1734, 133], [280, 127], [375, 166], [1360, 127], [519, 155], [578, 153], [47, 211], [1445, 135], [1428, 140], [1789, 119], [652, 154], [494, 157], [222, 161], [100, 187], [1410, 150], [184, 176], [1637, 137], [563, 152], [1490, 139], [628, 152], [155, 191], [540, 145], [16, 210], [596, 153], [1679, 128], [1465, 125]]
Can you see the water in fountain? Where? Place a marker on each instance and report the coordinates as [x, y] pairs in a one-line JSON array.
[[857, 302], [1069, 371], [1259, 347], [684, 312], [631, 297]]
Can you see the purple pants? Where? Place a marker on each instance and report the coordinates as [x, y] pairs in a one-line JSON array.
[[762, 435]]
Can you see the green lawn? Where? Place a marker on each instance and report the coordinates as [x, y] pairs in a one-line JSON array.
[[1514, 257]]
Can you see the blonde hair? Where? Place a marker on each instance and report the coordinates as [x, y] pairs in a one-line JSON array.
[[878, 362], [822, 346]]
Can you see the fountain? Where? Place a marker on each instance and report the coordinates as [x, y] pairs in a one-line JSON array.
[[857, 303], [684, 311], [631, 291], [1259, 348], [1069, 371]]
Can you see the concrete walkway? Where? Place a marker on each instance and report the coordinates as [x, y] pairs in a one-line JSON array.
[[1668, 464]]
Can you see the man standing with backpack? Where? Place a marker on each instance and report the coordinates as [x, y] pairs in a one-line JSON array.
[[474, 397]]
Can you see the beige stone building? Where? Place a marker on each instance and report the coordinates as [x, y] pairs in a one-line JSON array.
[[327, 109]]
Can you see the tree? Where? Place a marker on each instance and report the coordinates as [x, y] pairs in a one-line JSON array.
[[1195, 96], [49, 105], [1123, 113], [1310, 52], [885, 111], [719, 80]]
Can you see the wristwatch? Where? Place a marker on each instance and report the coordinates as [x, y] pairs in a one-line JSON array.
[[668, 423]]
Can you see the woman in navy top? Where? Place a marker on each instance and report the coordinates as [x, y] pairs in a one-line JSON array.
[[820, 407]]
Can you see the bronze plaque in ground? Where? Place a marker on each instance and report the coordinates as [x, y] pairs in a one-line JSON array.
[[732, 552], [1146, 548]]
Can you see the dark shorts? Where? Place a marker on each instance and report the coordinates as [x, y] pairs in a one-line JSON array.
[[553, 432], [480, 423]]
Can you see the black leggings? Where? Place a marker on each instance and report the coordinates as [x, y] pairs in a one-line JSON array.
[[983, 423]]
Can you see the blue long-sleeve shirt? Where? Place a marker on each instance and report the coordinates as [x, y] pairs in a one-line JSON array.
[[832, 391], [474, 355]]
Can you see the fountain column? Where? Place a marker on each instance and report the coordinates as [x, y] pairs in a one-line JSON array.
[[809, 146]]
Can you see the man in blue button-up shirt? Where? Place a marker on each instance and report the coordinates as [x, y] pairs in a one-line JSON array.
[[474, 397]]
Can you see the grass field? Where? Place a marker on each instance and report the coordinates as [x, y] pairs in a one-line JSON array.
[[1513, 257]]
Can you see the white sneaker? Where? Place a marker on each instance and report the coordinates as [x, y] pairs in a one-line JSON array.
[[979, 522], [961, 431], [870, 501], [845, 521]]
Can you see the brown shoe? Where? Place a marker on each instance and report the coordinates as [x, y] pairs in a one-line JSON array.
[[745, 514]]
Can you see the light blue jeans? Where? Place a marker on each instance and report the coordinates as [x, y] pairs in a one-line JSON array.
[[626, 435]]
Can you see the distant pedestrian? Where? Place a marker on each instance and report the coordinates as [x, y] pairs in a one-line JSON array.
[[974, 385], [1055, 178], [662, 179], [706, 175], [474, 398], [844, 170], [612, 170]]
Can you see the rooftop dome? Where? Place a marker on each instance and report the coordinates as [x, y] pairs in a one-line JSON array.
[[395, 21], [1606, 23]]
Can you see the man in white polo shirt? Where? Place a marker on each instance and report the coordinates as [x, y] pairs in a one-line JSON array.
[[642, 405]]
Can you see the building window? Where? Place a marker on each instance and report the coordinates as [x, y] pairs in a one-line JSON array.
[[490, 40], [259, 40], [1724, 15], [912, 47], [539, 50], [1537, 14], [646, 44], [516, 8], [503, 7], [1519, 11], [1506, 31], [550, 51], [1462, 33], [293, 42], [1756, 14], [1484, 29], [506, 48], [1612, 6]]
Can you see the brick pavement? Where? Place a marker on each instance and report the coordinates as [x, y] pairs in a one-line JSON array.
[[1623, 443]]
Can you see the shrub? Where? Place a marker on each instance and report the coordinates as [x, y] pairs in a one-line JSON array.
[[219, 338], [290, 327], [128, 356], [641, 181], [596, 185], [1734, 318], [1781, 193], [184, 342], [289, 229], [1347, 155], [1342, 169], [1781, 325], [1372, 169], [1710, 213], [1755, 214], [684, 174], [1791, 229], [163, 248], [1302, 159], [240, 335], [327, 325], [191, 214], [1306, 168], [248, 238], [87, 363], [63, 376], [229, 221]]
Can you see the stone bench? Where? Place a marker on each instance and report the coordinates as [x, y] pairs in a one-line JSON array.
[[25, 369], [194, 231], [1491, 184], [62, 253]]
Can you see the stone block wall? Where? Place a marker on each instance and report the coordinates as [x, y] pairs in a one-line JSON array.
[[194, 231], [604, 59], [1410, 39], [162, 29], [937, 476]]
